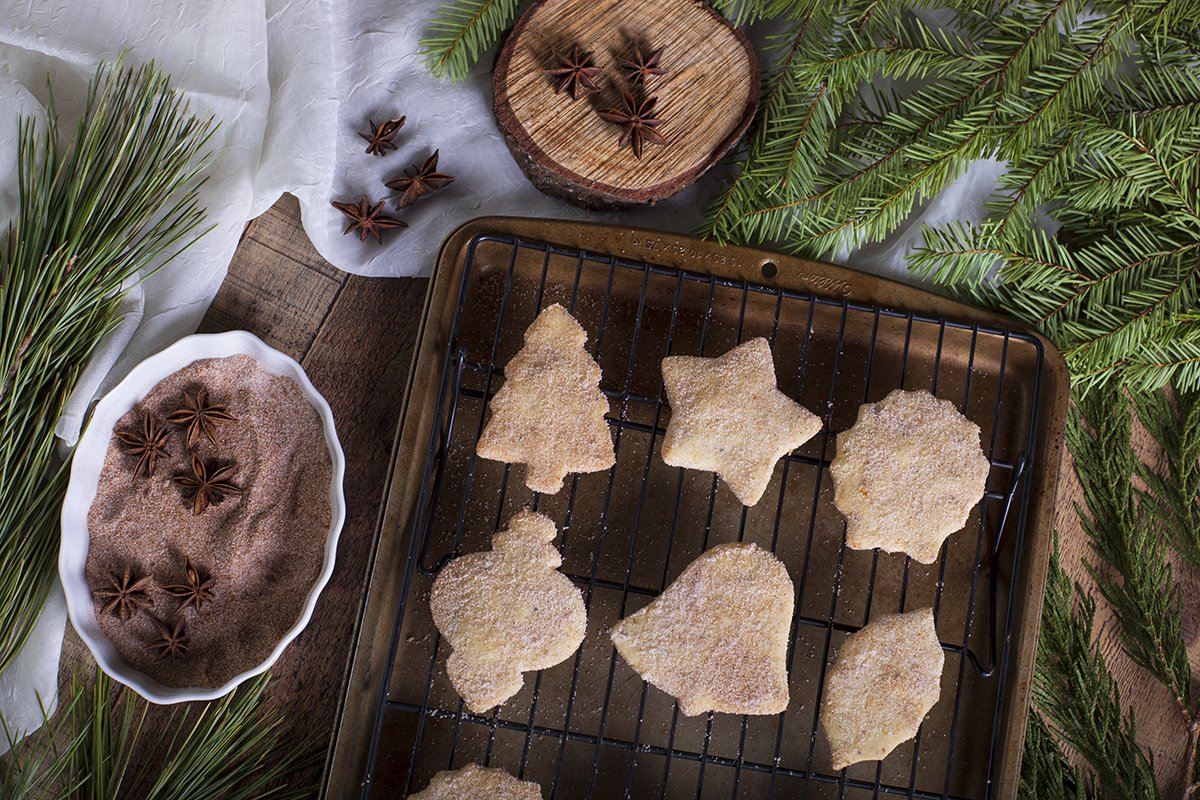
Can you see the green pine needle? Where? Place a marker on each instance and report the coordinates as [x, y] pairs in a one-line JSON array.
[[461, 32], [94, 214], [235, 748]]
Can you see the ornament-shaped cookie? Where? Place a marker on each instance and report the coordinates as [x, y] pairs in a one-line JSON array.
[[507, 611], [474, 782], [729, 417], [549, 414], [717, 638], [885, 679], [907, 474]]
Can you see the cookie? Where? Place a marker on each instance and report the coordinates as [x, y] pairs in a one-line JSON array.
[[728, 417], [717, 638], [549, 414], [474, 782], [907, 474], [885, 679], [507, 611]]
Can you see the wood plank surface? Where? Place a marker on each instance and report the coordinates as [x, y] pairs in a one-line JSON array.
[[354, 337]]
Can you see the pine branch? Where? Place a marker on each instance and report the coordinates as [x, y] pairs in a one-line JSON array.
[[461, 32], [235, 748], [96, 210]]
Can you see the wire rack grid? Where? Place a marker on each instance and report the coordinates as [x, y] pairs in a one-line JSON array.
[[590, 727]]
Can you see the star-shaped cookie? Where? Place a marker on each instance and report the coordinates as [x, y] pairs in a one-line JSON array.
[[907, 474], [549, 414], [885, 679], [507, 611], [474, 782], [728, 417], [717, 638]]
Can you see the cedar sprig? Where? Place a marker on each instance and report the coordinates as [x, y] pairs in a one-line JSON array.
[[1077, 698], [1173, 497], [1133, 571], [1131, 530], [97, 208]]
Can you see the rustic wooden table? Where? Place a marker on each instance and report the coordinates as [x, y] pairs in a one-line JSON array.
[[355, 336]]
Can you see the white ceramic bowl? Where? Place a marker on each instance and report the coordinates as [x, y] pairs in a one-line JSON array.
[[85, 478]]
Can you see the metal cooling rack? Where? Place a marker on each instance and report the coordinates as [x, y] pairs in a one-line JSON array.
[[635, 743]]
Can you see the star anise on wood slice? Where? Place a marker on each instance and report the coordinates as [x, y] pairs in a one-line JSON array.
[[126, 596], [637, 119], [641, 67], [200, 416], [575, 71], [420, 181], [381, 139], [207, 488], [196, 590], [147, 444], [172, 643], [367, 219]]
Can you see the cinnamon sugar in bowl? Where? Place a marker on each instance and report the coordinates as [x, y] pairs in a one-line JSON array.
[[202, 517]]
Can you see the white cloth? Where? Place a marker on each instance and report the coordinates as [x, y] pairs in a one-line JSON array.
[[293, 82]]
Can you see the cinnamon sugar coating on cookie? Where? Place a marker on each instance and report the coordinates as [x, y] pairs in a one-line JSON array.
[[717, 638], [474, 782], [507, 611], [884, 681], [729, 417], [549, 414], [907, 474]]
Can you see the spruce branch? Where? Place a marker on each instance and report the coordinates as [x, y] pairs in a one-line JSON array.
[[461, 32]]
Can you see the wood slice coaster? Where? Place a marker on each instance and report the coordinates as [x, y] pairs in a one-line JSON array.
[[705, 100]]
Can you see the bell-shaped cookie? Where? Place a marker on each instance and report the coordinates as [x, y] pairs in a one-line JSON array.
[[717, 638]]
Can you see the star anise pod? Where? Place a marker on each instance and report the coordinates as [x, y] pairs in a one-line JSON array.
[[200, 416], [172, 643], [420, 181], [638, 120], [641, 67], [147, 445], [195, 591], [575, 71], [367, 219], [207, 489], [380, 140], [126, 596]]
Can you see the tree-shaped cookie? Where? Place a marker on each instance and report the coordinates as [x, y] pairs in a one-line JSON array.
[[729, 417], [474, 782], [507, 611], [907, 474], [549, 414], [717, 638], [885, 679]]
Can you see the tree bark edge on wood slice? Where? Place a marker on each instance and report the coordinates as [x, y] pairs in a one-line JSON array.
[[708, 97]]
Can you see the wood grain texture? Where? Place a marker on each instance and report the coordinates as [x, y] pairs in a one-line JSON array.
[[706, 100]]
